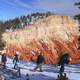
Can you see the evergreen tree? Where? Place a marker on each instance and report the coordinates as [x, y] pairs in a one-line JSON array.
[[2, 28], [77, 4], [78, 15]]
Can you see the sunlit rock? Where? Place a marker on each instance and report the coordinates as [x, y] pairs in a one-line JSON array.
[[50, 35]]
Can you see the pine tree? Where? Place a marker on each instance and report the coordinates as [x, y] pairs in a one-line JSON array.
[[2, 29], [78, 15], [2, 43]]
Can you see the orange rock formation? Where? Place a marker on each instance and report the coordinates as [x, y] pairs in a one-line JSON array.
[[50, 35]]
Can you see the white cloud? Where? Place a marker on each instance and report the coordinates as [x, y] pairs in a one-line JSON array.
[[58, 6], [17, 3], [22, 4], [8, 2]]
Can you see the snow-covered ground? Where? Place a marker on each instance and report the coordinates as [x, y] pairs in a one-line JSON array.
[[50, 72]]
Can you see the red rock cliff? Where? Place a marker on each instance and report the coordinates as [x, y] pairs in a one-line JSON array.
[[50, 35]]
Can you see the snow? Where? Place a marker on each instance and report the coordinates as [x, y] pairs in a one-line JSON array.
[[50, 72]]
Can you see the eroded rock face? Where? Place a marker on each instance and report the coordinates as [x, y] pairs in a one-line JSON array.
[[50, 35]]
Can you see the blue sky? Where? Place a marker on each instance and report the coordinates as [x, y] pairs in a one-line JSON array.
[[10, 9]]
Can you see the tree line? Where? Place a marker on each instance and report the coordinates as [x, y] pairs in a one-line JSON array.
[[26, 20]]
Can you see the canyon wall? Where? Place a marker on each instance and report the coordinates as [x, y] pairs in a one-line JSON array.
[[51, 36]]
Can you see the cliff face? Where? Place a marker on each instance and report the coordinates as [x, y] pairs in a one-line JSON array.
[[50, 35]]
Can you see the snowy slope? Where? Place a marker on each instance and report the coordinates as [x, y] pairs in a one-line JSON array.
[[50, 72]]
